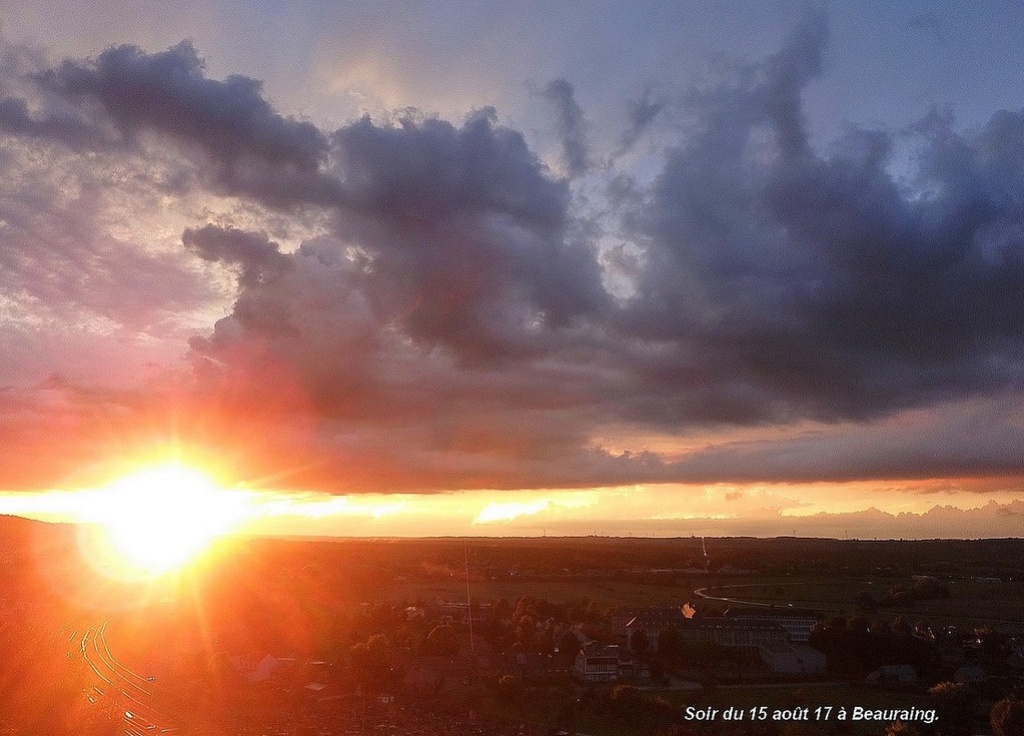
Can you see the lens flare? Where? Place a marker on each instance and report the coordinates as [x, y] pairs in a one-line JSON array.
[[160, 518]]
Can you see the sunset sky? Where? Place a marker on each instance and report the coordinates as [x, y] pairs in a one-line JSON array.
[[472, 268]]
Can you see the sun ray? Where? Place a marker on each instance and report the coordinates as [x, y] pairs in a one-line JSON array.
[[158, 519]]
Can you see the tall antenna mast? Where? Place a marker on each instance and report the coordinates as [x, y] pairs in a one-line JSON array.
[[469, 598]]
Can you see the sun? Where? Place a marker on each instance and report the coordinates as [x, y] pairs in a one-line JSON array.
[[160, 518]]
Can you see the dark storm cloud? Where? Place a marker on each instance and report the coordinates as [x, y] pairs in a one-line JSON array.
[[15, 119], [775, 282], [448, 326], [571, 127], [463, 231], [975, 439], [425, 171], [26, 112], [114, 101], [466, 232], [257, 256], [456, 236], [783, 282], [169, 92]]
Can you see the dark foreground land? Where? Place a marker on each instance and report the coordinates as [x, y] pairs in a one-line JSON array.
[[284, 636]]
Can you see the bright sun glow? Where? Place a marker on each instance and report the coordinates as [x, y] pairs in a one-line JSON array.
[[160, 518]]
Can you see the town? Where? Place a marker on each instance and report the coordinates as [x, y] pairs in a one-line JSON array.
[[524, 636]]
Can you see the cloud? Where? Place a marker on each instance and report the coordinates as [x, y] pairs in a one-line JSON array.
[[433, 296], [642, 114], [495, 512], [63, 260], [781, 282], [455, 237], [966, 438], [125, 96], [257, 256], [169, 93], [992, 520], [16, 119], [559, 93]]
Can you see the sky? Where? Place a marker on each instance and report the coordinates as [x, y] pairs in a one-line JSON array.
[[459, 268]]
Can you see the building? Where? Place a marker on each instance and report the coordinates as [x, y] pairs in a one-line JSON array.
[[649, 618], [778, 636], [796, 622], [651, 621], [746, 635], [745, 627], [597, 663]]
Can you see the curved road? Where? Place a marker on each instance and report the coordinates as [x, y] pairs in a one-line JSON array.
[[703, 593]]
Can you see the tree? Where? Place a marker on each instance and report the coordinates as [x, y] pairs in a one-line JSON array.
[[953, 701], [900, 728], [865, 602], [1007, 717], [670, 643], [639, 643], [442, 641], [545, 643], [625, 699], [565, 720], [373, 661], [858, 625], [900, 627], [569, 645], [510, 689]]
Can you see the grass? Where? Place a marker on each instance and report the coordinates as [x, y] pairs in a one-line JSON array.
[[969, 602], [604, 591]]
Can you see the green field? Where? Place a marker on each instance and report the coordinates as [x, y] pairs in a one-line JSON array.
[[969, 603], [606, 592]]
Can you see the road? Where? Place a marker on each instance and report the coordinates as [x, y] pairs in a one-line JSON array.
[[703, 593]]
